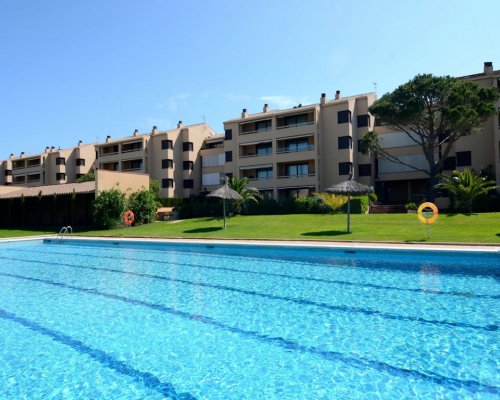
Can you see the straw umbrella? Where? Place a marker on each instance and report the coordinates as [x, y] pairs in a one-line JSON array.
[[349, 187], [225, 193]]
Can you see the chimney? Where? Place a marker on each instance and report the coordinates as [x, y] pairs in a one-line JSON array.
[[266, 108], [136, 133], [322, 101], [80, 143], [180, 124], [337, 95], [154, 131], [22, 154], [11, 155], [47, 149], [108, 139], [488, 68], [244, 113]]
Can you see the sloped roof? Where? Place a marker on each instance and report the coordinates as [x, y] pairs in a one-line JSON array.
[[50, 190]]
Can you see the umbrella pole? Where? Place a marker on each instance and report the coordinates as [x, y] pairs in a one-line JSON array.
[[348, 213], [224, 211]]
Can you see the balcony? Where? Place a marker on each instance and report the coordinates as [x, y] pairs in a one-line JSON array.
[[34, 162], [110, 166], [295, 120], [295, 145], [262, 173], [108, 150], [19, 164], [132, 165], [131, 146], [255, 127], [8, 172], [33, 178], [299, 170], [256, 149]]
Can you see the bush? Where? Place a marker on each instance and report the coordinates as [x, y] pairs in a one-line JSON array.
[[171, 201], [196, 209], [143, 205], [263, 207], [89, 176], [109, 207], [411, 206], [332, 202], [359, 205]]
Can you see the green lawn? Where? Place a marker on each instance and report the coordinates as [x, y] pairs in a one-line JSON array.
[[475, 228], [5, 233], [460, 228]]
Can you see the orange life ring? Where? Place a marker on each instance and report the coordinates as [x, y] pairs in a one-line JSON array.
[[422, 218], [128, 217]]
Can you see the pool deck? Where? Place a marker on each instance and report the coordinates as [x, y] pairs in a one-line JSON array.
[[480, 247]]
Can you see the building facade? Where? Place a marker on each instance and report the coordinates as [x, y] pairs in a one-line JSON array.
[[53, 166], [298, 151], [396, 183]]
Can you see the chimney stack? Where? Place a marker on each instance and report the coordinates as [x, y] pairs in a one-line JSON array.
[[488, 68], [266, 108], [80, 143], [154, 131], [180, 125], [22, 154], [136, 133], [108, 139], [11, 155], [322, 101], [337, 95], [47, 149]]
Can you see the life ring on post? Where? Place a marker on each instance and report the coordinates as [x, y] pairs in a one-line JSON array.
[[128, 217], [421, 217]]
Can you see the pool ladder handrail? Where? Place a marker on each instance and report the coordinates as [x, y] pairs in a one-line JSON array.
[[65, 230]]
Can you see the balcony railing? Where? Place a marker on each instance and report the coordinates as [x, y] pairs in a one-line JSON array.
[[281, 150], [295, 125], [297, 176]]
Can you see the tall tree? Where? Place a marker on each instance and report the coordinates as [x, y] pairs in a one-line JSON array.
[[434, 112]]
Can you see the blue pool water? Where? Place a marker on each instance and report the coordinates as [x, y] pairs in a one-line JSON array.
[[118, 320]]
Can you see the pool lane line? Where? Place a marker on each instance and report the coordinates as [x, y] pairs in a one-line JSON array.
[[322, 305], [357, 362], [145, 378], [286, 276]]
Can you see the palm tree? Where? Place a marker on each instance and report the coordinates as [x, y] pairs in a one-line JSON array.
[[240, 185], [466, 186]]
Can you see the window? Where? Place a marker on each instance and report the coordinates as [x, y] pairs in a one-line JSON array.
[[134, 146], [364, 170], [263, 125], [8, 172], [363, 120], [60, 161], [294, 120], [167, 144], [187, 165], [265, 173], [463, 158], [187, 146], [19, 179], [33, 178], [264, 148], [228, 134], [188, 184], [345, 168], [297, 169], [345, 142], [297, 145], [80, 162], [60, 176], [229, 156], [450, 163], [167, 183], [167, 163], [344, 117]]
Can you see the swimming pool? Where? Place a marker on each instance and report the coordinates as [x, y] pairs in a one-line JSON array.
[[132, 320]]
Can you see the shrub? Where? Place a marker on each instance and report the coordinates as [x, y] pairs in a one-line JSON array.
[[359, 205], [411, 206], [89, 176], [263, 207], [333, 202], [108, 208], [171, 201], [143, 205]]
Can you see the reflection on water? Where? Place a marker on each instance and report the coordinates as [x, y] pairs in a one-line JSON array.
[[429, 277]]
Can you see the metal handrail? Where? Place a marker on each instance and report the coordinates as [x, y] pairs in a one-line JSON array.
[[65, 230]]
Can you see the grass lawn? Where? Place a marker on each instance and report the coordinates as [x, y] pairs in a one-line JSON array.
[[474, 228], [5, 233]]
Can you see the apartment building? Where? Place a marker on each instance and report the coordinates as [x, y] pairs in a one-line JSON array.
[[213, 159], [170, 157], [298, 151], [396, 183], [53, 166]]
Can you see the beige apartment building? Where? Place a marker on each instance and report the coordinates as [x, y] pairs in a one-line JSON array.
[[170, 157], [298, 151], [53, 166], [396, 183]]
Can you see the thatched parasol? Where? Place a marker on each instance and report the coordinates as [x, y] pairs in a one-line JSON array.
[[349, 187], [225, 193]]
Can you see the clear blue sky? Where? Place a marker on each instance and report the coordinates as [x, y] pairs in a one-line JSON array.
[[72, 70]]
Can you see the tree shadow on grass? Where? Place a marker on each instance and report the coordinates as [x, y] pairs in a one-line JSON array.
[[203, 230], [326, 233], [466, 214]]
